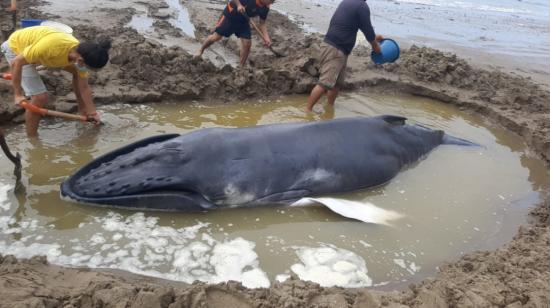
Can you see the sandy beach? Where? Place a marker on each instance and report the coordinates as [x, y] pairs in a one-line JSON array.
[[155, 63]]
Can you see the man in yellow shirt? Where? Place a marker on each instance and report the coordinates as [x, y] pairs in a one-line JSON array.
[[46, 46]]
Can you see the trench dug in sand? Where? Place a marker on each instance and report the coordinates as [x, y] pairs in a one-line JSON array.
[[455, 201], [494, 203]]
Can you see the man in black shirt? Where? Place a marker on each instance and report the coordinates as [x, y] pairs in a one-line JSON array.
[[350, 16], [235, 20]]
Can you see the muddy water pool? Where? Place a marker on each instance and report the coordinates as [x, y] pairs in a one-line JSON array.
[[454, 201]]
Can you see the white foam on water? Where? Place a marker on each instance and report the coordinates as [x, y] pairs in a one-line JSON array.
[[4, 223], [138, 244], [282, 277], [182, 21], [231, 260], [331, 266], [4, 189], [409, 266], [20, 250]]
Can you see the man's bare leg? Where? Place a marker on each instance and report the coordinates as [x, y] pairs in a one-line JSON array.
[[314, 96], [211, 39], [33, 119], [245, 50], [331, 95]]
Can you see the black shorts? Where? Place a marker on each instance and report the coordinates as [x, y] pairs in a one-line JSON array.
[[226, 27]]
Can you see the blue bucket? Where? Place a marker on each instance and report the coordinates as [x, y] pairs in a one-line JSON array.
[[389, 52], [30, 22]]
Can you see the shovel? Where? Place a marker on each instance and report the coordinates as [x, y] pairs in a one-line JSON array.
[[46, 112], [52, 113], [15, 159], [276, 53]]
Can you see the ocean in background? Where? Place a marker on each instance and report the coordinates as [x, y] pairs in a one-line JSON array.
[[510, 34]]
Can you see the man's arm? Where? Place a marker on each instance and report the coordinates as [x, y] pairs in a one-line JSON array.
[[263, 28], [16, 72], [366, 27], [83, 94], [240, 7]]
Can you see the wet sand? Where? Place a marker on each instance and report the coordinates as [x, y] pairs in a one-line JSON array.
[[515, 275]]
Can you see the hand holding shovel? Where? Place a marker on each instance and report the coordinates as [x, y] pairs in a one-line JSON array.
[[266, 40], [52, 113], [24, 103]]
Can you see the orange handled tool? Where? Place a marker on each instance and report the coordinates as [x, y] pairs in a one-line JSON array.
[[52, 113], [46, 112]]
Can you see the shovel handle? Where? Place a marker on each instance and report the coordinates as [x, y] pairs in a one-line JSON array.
[[255, 26], [52, 113], [260, 33]]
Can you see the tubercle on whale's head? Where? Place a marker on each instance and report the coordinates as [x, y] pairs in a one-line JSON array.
[[133, 168]]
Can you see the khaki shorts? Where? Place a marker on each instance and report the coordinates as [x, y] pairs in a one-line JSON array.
[[30, 79], [333, 66]]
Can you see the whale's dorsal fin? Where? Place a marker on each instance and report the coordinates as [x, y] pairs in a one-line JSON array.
[[395, 120]]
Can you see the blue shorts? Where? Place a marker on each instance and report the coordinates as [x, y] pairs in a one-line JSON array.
[[226, 27]]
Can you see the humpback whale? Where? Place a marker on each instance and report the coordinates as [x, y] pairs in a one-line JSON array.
[[215, 168]]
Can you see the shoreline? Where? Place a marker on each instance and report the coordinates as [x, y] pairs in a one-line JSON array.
[[516, 274]]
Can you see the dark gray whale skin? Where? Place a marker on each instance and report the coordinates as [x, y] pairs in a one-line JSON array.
[[228, 167]]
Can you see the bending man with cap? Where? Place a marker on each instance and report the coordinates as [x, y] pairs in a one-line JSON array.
[[46, 46], [235, 20], [349, 17]]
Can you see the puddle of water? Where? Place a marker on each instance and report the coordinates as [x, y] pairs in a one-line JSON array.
[[455, 201], [182, 20], [143, 24]]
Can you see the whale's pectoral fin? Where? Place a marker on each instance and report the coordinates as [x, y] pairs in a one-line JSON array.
[[363, 211], [395, 120]]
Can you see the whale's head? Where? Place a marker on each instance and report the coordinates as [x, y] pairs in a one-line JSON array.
[[140, 175]]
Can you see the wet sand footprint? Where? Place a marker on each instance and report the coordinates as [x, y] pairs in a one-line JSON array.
[[218, 298]]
